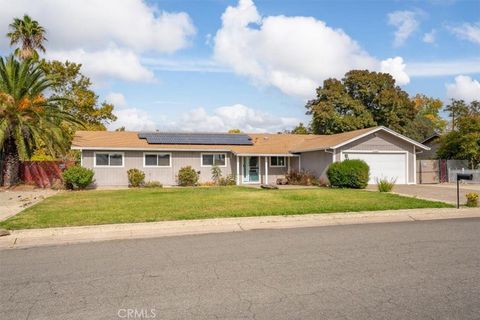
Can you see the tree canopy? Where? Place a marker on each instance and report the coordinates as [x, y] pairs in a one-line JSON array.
[[29, 34], [463, 142], [364, 99], [82, 102]]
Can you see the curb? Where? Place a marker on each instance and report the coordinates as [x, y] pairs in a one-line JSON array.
[[70, 235]]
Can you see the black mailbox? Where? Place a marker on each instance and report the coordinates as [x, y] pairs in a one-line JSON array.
[[464, 176]]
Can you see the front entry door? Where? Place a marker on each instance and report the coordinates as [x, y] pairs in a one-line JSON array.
[[251, 170]]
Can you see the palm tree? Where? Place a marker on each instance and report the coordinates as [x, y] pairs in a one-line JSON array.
[[27, 117], [30, 34]]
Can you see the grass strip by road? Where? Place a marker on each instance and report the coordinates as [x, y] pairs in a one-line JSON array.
[[147, 205]]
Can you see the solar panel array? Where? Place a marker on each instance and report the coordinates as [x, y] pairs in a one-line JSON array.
[[196, 138]]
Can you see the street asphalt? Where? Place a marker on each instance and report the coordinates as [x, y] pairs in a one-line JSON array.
[[405, 270]]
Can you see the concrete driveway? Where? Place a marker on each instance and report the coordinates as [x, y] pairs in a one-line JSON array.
[[446, 192], [14, 201]]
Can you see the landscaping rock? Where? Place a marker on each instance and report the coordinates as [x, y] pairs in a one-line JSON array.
[[4, 232], [268, 186], [282, 181]]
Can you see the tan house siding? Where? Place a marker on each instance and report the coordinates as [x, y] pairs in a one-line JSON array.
[[117, 176], [316, 162]]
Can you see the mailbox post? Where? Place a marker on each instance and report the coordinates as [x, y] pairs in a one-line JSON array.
[[462, 176]]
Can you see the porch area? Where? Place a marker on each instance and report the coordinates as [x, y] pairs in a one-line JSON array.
[[264, 169]]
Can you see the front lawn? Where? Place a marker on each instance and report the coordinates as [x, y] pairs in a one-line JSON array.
[[147, 205]]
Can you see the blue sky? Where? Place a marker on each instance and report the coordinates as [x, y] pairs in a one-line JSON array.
[[218, 64]]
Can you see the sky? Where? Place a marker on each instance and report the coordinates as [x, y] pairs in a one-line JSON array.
[[214, 65]]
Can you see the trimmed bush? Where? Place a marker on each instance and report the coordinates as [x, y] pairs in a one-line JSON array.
[[227, 181], [136, 178], [77, 177], [303, 178], [349, 174], [187, 176], [472, 199], [153, 184], [385, 185]]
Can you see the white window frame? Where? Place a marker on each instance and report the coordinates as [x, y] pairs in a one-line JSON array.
[[157, 154], [277, 166], [109, 153], [212, 153]]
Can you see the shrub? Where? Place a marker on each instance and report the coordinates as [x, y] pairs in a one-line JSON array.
[[216, 174], [304, 178], [187, 176], [153, 184], [136, 178], [385, 185], [472, 199], [227, 181], [77, 177], [349, 174]]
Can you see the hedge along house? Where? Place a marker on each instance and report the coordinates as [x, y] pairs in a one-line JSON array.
[[251, 158]]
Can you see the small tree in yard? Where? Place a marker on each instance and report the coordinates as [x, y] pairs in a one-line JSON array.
[[187, 176], [216, 174]]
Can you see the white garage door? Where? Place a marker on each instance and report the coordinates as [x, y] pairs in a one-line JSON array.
[[383, 165]]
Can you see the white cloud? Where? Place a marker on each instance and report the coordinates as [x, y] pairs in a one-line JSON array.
[[467, 31], [91, 24], [429, 37], [236, 116], [132, 119], [464, 88], [406, 23], [294, 54], [101, 34], [396, 67], [113, 62]]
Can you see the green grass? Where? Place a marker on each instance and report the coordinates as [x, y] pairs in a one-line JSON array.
[[146, 205]]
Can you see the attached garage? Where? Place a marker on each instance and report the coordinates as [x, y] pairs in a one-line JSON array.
[[383, 165], [389, 154]]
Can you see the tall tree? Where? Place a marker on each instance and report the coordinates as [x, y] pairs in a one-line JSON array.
[[427, 119], [300, 129], [456, 109], [28, 117], [29, 34], [361, 99], [463, 142], [82, 102]]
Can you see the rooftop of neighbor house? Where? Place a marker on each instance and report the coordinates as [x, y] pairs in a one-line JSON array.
[[243, 143]]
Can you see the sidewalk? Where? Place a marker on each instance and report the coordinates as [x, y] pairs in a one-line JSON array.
[[58, 236]]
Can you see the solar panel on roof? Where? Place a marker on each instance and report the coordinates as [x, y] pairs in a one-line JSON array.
[[196, 138]]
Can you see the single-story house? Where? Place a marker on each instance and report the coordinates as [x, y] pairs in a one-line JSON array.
[[252, 158]]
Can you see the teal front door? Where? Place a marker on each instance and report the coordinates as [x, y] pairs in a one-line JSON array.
[[251, 170]]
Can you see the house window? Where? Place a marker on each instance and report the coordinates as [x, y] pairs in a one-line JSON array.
[[108, 159], [214, 159], [156, 160], [277, 161]]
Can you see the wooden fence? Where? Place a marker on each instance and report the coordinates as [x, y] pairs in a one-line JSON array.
[[43, 174]]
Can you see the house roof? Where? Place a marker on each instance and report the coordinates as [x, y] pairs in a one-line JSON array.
[[263, 143]]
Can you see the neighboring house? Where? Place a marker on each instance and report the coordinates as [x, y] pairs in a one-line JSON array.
[[252, 158], [433, 142]]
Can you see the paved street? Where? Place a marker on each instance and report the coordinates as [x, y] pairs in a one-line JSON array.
[[407, 270]]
